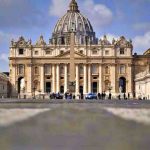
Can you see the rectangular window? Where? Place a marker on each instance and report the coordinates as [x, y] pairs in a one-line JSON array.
[[61, 52], [106, 52], [36, 52], [48, 52], [94, 52], [122, 69], [122, 51], [21, 51], [94, 69]]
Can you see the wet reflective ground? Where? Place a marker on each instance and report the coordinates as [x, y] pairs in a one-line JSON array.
[[76, 126]]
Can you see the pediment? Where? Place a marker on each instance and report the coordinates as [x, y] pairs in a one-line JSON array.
[[67, 55]]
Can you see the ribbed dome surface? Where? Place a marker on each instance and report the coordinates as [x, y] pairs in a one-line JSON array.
[[73, 20]]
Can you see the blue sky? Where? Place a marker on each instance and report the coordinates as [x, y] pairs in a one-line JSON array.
[[115, 18]]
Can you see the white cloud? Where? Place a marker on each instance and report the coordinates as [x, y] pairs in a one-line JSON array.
[[142, 43], [99, 14], [4, 57], [144, 26], [58, 7]]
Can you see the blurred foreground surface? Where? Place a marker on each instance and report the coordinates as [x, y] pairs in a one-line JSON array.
[[59, 125]]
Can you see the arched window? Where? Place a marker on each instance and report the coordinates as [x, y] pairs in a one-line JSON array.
[[80, 26], [107, 71], [36, 70]]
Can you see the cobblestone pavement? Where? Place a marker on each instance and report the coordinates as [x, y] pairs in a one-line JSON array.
[[74, 125]]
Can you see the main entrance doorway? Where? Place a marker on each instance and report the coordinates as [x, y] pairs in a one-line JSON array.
[[81, 89], [122, 85], [94, 87], [48, 87], [21, 85], [62, 89]]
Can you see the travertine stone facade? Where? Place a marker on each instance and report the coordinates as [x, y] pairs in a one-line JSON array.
[[73, 57], [142, 84], [4, 83]]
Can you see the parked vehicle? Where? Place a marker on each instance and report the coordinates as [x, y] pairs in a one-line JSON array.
[[58, 96], [91, 96]]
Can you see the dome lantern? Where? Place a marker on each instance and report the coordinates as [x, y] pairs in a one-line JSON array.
[[73, 6]]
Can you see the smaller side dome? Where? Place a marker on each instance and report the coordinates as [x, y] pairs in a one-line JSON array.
[[147, 52]]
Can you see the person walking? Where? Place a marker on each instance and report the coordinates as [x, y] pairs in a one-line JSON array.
[[110, 95]]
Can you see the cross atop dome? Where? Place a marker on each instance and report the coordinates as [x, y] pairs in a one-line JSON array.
[[73, 6]]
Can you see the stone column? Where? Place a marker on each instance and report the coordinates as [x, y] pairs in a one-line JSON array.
[[13, 80], [77, 79], [89, 78], [113, 78], [58, 78], [100, 79], [85, 80], [66, 79], [29, 79], [129, 86], [42, 82], [53, 78]]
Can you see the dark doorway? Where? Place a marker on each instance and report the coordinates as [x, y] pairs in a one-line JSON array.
[[81, 89], [48, 87], [94, 87], [19, 84], [62, 89], [122, 85]]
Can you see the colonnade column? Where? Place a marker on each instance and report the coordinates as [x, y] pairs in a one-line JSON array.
[[54, 78], [89, 79], [77, 79], [113, 78], [58, 78], [100, 79], [66, 79], [130, 79], [42, 83], [85, 79]]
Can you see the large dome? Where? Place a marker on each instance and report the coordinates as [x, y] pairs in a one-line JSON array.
[[74, 21]]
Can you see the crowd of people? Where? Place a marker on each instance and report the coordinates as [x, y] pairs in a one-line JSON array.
[[100, 96]]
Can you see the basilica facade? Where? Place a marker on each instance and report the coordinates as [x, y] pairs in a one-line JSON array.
[[73, 60]]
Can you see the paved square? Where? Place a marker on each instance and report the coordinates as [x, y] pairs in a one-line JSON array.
[[78, 125]]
